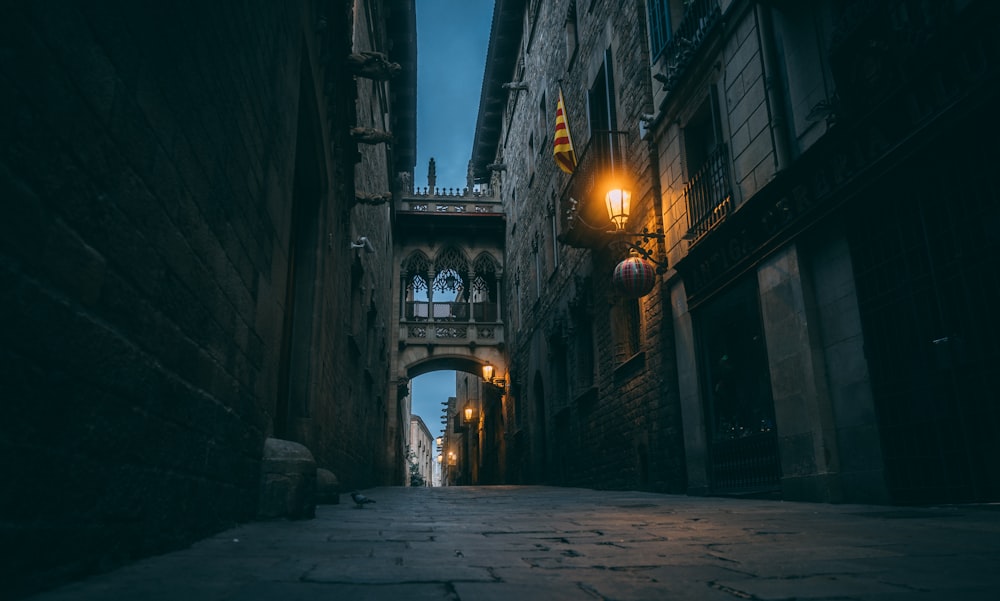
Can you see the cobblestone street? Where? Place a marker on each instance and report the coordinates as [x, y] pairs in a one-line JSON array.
[[485, 543]]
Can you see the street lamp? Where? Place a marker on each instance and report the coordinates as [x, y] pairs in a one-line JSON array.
[[488, 372], [619, 203], [470, 412]]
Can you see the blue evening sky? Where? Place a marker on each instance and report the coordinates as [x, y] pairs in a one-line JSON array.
[[452, 37]]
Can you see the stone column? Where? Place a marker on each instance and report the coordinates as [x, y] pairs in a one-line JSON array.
[[470, 289], [692, 411], [499, 293], [430, 296], [803, 414]]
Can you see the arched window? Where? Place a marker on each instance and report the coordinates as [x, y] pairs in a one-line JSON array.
[[485, 288], [450, 286], [415, 274]]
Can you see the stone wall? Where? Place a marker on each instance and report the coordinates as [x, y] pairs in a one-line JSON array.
[[151, 159], [619, 428]]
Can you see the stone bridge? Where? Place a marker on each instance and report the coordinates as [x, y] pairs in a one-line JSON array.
[[449, 251]]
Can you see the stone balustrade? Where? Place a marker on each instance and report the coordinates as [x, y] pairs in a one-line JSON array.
[[450, 200], [451, 333]]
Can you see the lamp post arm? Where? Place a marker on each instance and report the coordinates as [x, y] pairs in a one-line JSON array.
[[646, 236]]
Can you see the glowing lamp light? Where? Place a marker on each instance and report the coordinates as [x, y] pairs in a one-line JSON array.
[[619, 202], [634, 277], [488, 372], [470, 412]]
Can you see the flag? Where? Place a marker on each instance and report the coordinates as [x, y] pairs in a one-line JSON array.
[[564, 154]]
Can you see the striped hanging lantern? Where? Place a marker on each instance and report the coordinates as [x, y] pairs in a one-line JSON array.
[[634, 277]]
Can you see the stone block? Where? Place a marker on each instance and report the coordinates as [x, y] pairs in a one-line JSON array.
[[327, 487], [288, 481]]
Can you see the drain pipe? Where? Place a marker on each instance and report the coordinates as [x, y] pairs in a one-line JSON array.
[[777, 116]]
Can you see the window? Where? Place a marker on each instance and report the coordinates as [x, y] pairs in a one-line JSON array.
[[537, 267], [707, 191], [583, 350], [484, 288], [666, 16], [601, 99], [571, 37], [517, 297], [531, 158], [415, 287], [542, 122], [530, 23], [702, 134], [626, 322], [553, 247], [659, 26]]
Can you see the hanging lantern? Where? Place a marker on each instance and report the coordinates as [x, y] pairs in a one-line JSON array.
[[618, 200], [634, 277]]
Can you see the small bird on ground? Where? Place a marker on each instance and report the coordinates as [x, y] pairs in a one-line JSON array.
[[360, 499]]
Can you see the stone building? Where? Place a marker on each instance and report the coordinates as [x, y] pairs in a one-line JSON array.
[[592, 396], [823, 330], [421, 451], [448, 289], [187, 267], [824, 211]]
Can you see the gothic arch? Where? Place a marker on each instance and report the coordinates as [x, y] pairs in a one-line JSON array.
[[451, 273], [414, 275], [415, 266], [468, 363]]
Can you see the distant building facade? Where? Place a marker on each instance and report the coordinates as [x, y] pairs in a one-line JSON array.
[[823, 325], [186, 192], [421, 452]]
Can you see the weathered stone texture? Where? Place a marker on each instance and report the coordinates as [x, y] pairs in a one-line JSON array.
[[147, 173], [627, 435], [289, 481]]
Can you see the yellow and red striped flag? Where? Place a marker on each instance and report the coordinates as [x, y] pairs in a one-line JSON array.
[[564, 154]]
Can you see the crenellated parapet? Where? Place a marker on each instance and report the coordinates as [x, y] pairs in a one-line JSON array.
[[472, 199]]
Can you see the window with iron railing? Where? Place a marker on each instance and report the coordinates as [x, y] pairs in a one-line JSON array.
[[659, 26], [708, 195], [695, 20]]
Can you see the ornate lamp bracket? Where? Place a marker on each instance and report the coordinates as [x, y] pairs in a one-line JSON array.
[[638, 245]]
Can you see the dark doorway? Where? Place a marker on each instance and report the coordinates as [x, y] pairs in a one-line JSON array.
[[739, 409], [927, 265]]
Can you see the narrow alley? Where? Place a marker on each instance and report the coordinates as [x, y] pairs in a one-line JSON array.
[[516, 542], [733, 263]]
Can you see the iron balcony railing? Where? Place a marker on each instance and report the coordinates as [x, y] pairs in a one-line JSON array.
[[699, 20], [708, 195], [605, 156]]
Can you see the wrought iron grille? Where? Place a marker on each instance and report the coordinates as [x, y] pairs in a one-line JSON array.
[[700, 18], [604, 156], [708, 195], [745, 463]]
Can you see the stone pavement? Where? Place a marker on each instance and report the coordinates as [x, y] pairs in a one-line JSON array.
[[524, 543]]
